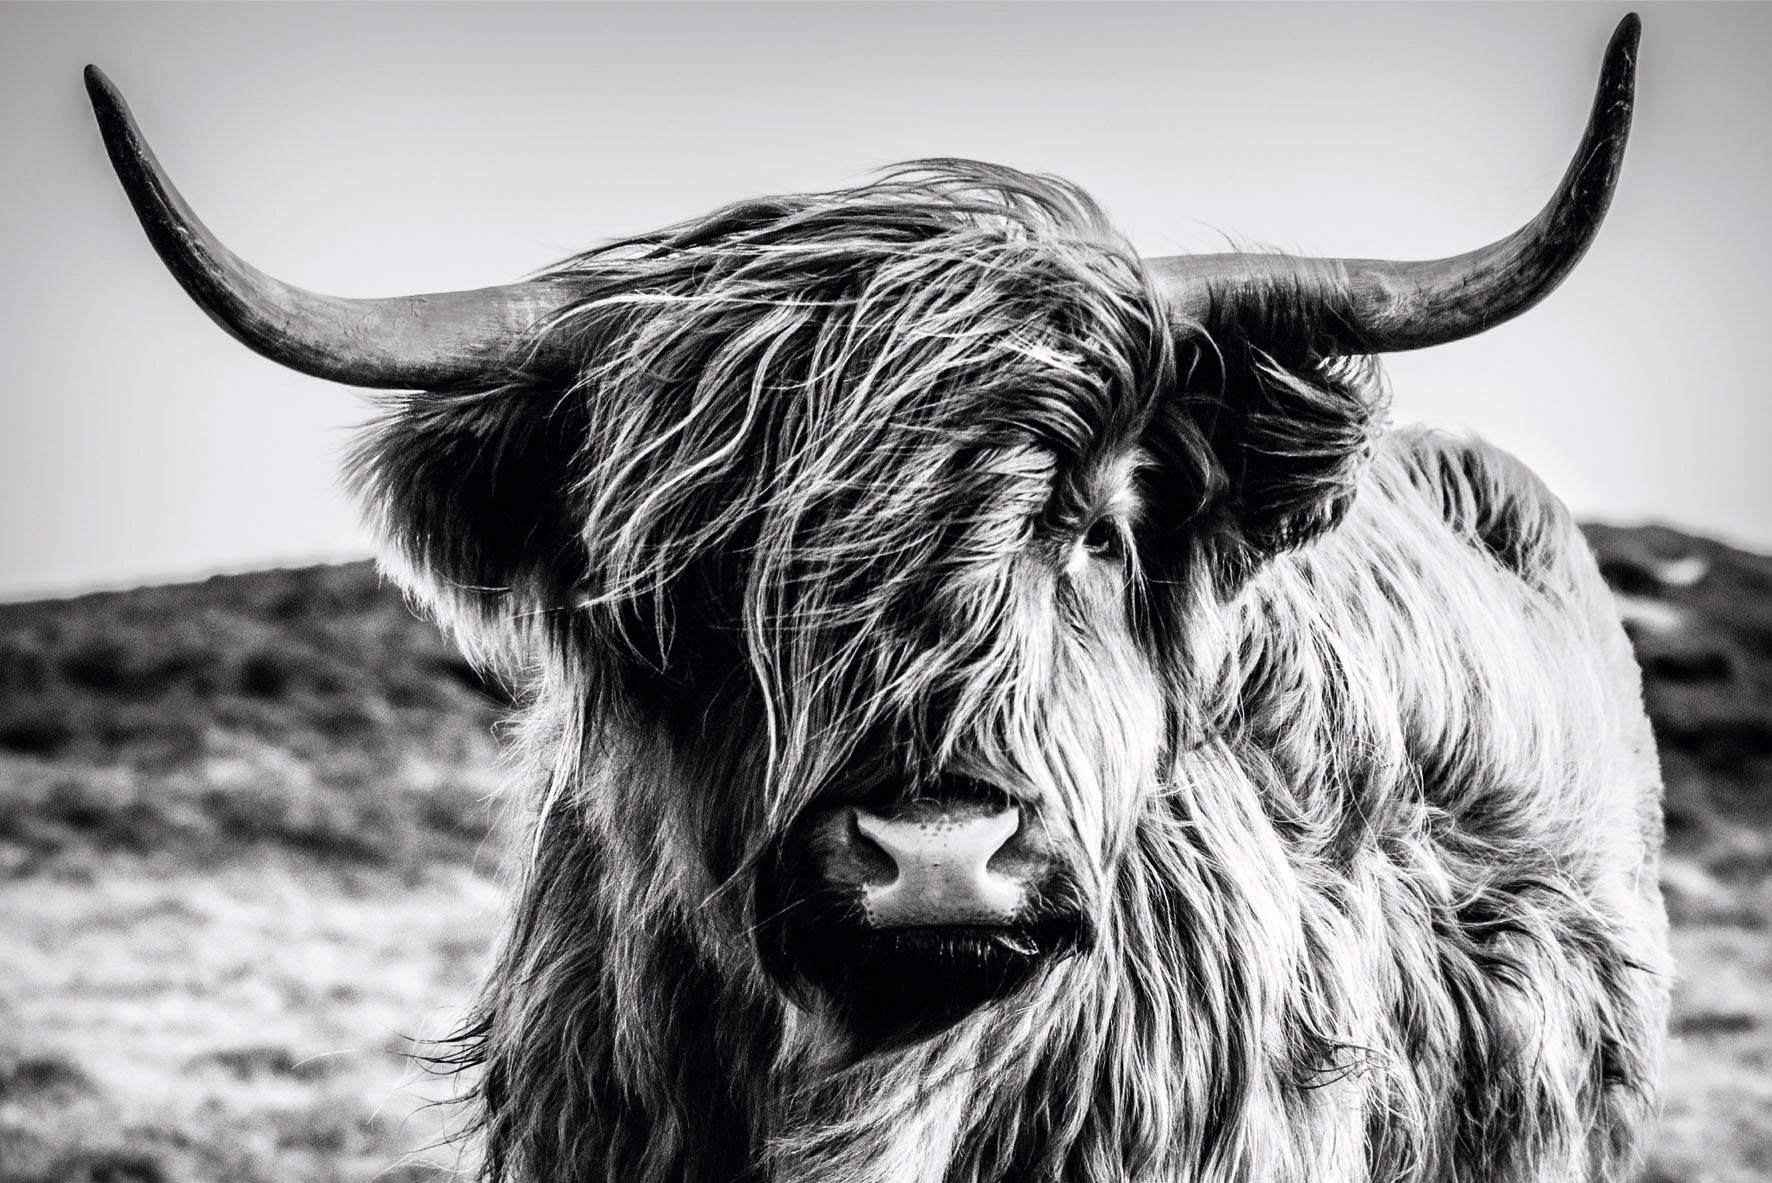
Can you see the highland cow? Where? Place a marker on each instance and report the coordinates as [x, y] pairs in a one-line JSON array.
[[1005, 709]]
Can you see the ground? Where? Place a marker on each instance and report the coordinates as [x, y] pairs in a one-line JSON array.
[[248, 867], [246, 870]]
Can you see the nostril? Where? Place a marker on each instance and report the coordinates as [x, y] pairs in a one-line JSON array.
[[872, 862]]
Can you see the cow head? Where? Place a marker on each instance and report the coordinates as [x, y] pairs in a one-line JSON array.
[[866, 541]]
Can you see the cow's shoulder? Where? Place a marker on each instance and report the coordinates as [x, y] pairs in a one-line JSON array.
[[1490, 500]]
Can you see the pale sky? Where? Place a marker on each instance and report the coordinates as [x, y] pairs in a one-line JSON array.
[[381, 150]]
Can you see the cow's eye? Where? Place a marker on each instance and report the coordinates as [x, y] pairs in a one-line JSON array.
[[1102, 539]]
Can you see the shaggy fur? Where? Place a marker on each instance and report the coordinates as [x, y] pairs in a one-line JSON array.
[[1338, 725]]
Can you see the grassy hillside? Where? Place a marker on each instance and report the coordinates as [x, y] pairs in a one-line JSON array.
[[247, 858], [307, 710], [1700, 616]]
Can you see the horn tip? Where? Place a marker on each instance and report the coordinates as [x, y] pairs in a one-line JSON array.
[[1625, 38], [107, 100], [98, 85], [1618, 72]]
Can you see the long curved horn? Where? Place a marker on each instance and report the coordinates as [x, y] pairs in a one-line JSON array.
[[1381, 306], [443, 339]]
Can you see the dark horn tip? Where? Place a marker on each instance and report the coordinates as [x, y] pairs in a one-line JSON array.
[[1616, 92], [1621, 50], [100, 88], [107, 104]]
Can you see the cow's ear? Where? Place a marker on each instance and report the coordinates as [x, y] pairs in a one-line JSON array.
[[1293, 440], [469, 495]]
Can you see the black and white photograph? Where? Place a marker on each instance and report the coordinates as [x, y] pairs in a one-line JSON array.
[[993, 592]]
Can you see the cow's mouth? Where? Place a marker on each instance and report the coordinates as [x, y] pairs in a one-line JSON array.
[[890, 987], [901, 921]]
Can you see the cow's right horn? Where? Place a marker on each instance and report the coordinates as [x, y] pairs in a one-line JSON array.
[[1383, 305], [439, 340]]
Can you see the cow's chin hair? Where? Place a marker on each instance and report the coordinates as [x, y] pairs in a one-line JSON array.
[[885, 988]]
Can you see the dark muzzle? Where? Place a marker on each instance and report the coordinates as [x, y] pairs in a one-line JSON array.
[[910, 910]]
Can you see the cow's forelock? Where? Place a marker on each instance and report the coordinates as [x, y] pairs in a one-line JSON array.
[[840, 451]]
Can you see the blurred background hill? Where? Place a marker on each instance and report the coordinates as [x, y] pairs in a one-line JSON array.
[[307, 710], [247, 860], [248, 857]]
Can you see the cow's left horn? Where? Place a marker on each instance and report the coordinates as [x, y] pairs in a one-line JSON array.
[[1381, 306], [445, 339]]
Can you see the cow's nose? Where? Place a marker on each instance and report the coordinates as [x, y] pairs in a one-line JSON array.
[[950, 864]]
